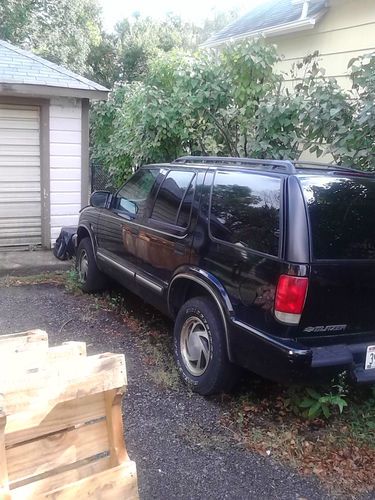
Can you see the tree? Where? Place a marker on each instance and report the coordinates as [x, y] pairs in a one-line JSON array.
[[62, 31], [197, 103], [102, 64], [335, 122]]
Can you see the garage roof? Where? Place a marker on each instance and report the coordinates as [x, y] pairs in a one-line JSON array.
[[23, 72], [271, 18]]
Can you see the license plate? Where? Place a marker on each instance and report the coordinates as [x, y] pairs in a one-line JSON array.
[[370, 358]]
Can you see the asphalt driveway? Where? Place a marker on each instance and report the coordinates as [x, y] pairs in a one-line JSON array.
[[180, 448]]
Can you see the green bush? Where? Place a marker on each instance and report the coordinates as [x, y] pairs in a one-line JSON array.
[[234, 103], [318, 402]]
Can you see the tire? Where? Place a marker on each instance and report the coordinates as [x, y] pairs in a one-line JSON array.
[[200, 348], [90, 277]]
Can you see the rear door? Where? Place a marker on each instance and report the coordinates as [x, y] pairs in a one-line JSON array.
[[341, 295], [245, 238], [164, 241]]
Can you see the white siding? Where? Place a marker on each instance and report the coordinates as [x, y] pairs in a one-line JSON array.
[[65, 163]]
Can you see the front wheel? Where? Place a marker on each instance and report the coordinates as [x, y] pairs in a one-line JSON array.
[[90, 277], [200, 348]]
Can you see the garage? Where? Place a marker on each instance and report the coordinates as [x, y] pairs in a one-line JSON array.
[[20, 188], [44, 148]]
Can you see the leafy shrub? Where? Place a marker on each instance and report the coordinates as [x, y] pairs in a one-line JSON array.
[[234, 103], [314, 403]]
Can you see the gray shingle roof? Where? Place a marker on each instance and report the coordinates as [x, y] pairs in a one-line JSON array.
[[268, 15], [17, 66]]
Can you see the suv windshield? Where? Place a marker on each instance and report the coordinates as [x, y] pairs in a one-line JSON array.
[[341, 212]]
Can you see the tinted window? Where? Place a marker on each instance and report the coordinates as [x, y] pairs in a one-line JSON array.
[[173, 202], [245, 210], [341, 212], [133, 195]]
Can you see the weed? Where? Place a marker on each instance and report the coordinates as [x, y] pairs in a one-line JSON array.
[[314, 403], [72, 283]]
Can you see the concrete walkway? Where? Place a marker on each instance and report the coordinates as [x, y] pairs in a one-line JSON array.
[[24, 263]]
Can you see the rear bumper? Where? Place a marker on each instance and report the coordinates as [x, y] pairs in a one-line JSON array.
[[349, 357], [286, 361]]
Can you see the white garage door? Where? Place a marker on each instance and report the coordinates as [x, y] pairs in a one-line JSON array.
[[20, 197]]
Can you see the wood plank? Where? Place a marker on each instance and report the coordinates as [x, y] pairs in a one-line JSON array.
[[24, 341], [37, 488], [113, 484], [62, 416], [29, 401], [117, 451], [23, 361], [50, 452]]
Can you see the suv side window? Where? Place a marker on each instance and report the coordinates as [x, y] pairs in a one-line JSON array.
[[174, 199], [245, 210], [132, 197]]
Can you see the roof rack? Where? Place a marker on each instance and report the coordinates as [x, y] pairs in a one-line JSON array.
[[330, 166], [286, 165]]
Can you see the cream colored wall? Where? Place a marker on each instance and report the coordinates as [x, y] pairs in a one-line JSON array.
[[347, 30]]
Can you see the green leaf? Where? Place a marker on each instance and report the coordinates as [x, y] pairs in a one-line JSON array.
[[313, 393], [315, 410], [326, 411], [306, 403]]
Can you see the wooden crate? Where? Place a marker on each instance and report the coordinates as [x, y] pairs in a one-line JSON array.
[[61, 432]]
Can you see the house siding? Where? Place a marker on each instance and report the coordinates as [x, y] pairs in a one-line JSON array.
[[346, 31], [65, 163]]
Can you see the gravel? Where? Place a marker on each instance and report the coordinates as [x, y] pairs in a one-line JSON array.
[[174, 436]]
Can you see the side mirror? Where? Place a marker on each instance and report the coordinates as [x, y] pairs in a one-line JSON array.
[[100, 199], [128, 205]]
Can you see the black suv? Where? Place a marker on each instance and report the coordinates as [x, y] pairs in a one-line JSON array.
[[267, 265]]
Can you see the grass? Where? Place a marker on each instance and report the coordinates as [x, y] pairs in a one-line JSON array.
[[338, 448]]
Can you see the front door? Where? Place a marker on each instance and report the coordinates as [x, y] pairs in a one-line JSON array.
[[118, 226]]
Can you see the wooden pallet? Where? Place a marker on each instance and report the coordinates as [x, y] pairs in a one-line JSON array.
[[61, 432]]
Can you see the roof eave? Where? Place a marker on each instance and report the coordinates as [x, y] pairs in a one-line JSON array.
[[12, 89], [281, 29]]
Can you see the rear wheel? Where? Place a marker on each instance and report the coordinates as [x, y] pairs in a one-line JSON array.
[[90, 277], [200, 348]]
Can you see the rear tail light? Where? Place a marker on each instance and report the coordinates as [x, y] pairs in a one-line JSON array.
[[290, 298]]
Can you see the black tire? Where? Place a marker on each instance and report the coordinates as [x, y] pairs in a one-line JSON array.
[[207, 343], [90, 278]]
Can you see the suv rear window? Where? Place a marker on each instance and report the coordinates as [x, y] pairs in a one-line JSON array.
[[341, 212], [173, 201], [245, 210]]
